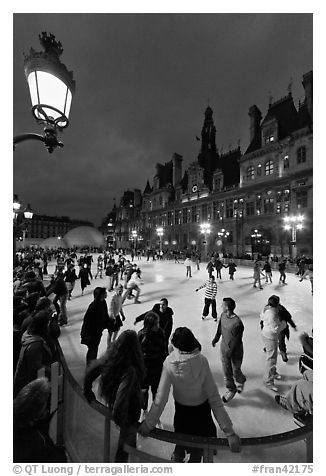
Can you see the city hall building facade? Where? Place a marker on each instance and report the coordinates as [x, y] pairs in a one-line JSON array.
[[244, 197]]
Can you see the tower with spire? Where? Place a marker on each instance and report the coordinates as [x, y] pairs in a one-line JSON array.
[[208, 157]]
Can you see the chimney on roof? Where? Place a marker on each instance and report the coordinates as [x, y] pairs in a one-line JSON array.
[[177, 169], [137, 197], [255, 118], [307, 84]]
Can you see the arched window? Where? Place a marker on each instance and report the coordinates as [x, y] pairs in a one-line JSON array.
[[250, 172], [269, 167], [301, 155]]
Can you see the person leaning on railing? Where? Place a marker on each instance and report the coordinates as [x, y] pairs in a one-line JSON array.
[[121, 371], [195, 395]]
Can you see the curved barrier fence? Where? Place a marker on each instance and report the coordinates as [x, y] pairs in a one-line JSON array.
[[91, 436]]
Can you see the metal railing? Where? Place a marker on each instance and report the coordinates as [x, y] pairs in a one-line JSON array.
[[90, 435]]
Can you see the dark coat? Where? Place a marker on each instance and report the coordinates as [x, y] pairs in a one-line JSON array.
[[35, 354], [31, 445], [232, 268], [83, 275], [58, 287], [127, 405], [70, 276], [166, 320], [35, 286], [153, 347], [96, 319]]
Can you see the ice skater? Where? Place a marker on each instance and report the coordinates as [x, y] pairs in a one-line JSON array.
[[210, 297], [230, 328]]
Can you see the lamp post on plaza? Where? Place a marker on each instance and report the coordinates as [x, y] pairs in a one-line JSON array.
[[21, 221], [293, 223], [51, 87], [238, 205], [223, 234], [134, 236], [160, 233], [256, 236], [205, 229]]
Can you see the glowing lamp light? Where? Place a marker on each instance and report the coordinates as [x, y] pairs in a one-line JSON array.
[[28, 212], [16, 203], [51, 85]]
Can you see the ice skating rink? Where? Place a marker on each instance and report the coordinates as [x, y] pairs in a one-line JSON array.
[[254, 412]]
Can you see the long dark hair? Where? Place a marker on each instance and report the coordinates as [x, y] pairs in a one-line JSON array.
[[184, 340], [125, 352], [150, 320]]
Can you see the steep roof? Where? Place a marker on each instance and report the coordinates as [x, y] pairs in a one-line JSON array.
[[148, 188], [230, 166], [304, 118], [255, 144], [285, 114]]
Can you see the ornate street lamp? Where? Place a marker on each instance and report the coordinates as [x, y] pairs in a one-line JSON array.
[[160, 233], [205, 229], [293, 223], [134, 236], [222, 235], [51, 87], [21, 221]]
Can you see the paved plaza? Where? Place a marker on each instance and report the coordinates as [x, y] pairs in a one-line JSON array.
[[254, 412]]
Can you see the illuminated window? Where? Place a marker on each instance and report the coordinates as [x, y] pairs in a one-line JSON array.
[[269, 167], [286, 162], [250, 172], [269, 136], [269, 205]]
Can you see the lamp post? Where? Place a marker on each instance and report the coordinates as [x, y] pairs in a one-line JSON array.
[[223, 234], [205, 229], [293, 223], [20, 221], [256, 235], [51, 87], [238, 205], [134, 236], [160, 233]]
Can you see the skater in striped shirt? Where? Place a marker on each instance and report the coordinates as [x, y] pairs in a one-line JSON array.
[[210, 297]]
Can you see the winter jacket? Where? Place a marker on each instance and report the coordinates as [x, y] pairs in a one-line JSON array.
[[232, 267], [59, 288], [153, 346], [126, 407], [70, 276], [83, 275], [34, 355], [193, 384], [134, 281], [95, 321], [272, 325], [34, 286], [115, 306], [31, 445], [166, 320], [231, 329]]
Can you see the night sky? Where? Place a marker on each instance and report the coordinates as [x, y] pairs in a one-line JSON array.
[[143, 82]]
